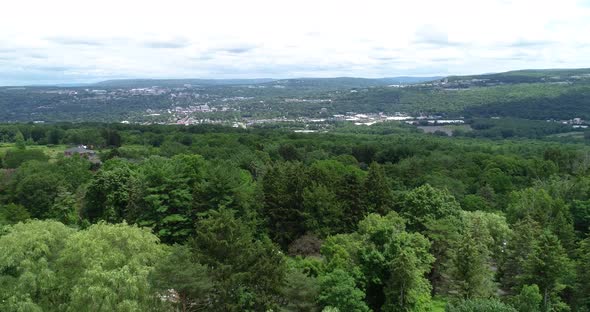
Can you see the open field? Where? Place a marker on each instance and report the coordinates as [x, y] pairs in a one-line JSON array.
[[448, 129], [53, 151]]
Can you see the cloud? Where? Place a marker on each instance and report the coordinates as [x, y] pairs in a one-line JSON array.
[[432, 36], [238, 50], [49, 68], [203, 57], [177, 43], [235, 48], [75, 41], [37, 56], [443, 59], [524, 43], [383, 58]]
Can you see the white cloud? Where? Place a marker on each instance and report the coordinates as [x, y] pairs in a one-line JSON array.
[[91, 40]]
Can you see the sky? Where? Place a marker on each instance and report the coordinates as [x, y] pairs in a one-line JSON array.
[[67, 41]]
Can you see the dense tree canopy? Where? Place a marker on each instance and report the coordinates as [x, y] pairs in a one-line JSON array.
[[222, 219]]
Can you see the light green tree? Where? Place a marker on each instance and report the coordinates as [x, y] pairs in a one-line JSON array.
[[338, 290], [106, 268], [28, 253], [19, 141], [529, 299], [425, 203]]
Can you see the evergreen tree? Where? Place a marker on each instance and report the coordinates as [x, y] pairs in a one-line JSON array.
[[583, 278], [183, 278], [471, 269], [301, 292], [529, 299], [19, 141], [247, 272], [549, 267], [377, 193], [323, 213], [407, 290], [350, 193]]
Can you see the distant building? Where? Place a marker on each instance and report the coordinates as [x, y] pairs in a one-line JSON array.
[[83, 151]]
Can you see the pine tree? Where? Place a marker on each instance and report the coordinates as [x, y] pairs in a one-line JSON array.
[[19, 141], [471, 272], [377, 193], [583, 278], [549, 267]]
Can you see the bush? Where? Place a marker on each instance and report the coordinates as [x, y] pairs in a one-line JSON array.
[[15, 157], [480, 305]]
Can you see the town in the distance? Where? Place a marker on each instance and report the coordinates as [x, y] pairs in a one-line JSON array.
[[443, 105]]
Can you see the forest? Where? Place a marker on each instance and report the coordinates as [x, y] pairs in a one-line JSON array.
[[212, 218]]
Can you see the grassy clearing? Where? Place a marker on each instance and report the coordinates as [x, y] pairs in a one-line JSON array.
[[53, 151], [573, 134]]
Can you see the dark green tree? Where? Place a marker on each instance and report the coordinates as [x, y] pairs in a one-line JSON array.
[[549, 267], [180, 275], [247, 272], [300, 292], [377, 192]]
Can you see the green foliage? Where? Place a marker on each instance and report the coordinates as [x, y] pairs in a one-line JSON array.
[[189, 281], [28, 276], [390, 263], [529, 299], [106, 268], [46, 266], [13, 213], [551, 213], [301, 292], [425, 204], [283, 188], [247, 272], [323, 212], [35, 186], [444, 235], [64, 208], [19, 141], [549, 267], [471, 270], [108, 194], [16, 157], [338, 290], [330, 206], [377, 192], [480, 305], [582, 286]]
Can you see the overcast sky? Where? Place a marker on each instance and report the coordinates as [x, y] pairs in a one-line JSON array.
[[61, 41]]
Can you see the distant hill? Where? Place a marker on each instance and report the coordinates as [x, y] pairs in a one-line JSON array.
[[313, 83], [529, 94], [529, 76], [408, 79], [172, 83]]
